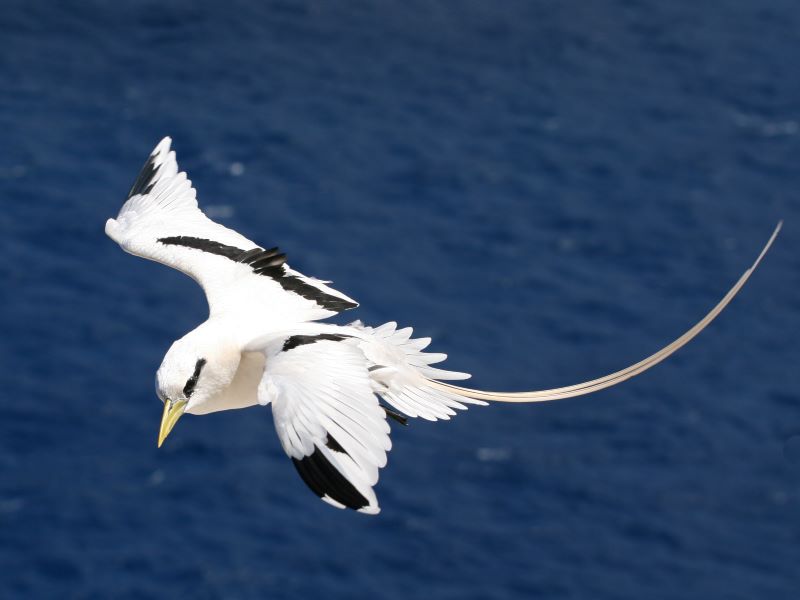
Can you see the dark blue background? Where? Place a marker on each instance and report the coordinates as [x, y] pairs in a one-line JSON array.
[[551, 189]]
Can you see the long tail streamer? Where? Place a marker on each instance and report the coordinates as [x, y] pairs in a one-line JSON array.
[[595, 385]]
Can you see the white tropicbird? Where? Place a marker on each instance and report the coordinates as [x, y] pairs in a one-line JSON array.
[[331, 387]]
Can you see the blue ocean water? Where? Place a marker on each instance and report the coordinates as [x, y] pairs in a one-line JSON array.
[[551, 190]]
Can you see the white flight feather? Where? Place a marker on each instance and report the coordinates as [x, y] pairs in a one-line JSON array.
[[322, 389]]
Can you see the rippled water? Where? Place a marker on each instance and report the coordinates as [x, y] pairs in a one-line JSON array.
[[552, 190]]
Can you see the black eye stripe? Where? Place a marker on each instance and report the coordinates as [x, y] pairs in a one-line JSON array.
[[188, 389]]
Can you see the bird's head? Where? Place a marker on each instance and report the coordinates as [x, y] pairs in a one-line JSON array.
[[194, 371]]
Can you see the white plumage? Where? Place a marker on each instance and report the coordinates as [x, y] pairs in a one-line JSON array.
[[331, 387]]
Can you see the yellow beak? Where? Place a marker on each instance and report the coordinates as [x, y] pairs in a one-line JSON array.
[[172, 412]]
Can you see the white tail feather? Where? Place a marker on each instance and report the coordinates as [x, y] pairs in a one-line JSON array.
[[595, 385]]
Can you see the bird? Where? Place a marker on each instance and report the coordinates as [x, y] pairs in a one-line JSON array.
[[332, 388]]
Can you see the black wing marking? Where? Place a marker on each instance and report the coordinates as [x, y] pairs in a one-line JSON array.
[[269, 262], [292, 283], [331, 443], [393, 414], [231, 252], [301, 340], [325, 480], [145, 181]]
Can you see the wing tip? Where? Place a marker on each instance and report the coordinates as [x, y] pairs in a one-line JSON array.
[[163, 146], [332, 485], [372, 509], [111, 228]]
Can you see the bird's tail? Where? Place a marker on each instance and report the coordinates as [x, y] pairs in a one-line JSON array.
[[595, 385]]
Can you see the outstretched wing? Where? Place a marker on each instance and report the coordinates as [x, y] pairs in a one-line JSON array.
[[161, 221], [328, 420]]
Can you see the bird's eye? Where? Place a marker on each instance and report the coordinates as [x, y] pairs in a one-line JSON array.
[[188, 389]]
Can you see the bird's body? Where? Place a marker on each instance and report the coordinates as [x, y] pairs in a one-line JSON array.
[[331, 387]]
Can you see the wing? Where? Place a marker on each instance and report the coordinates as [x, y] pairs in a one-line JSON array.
[[401, 372], [328, 420], [161, 221]]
